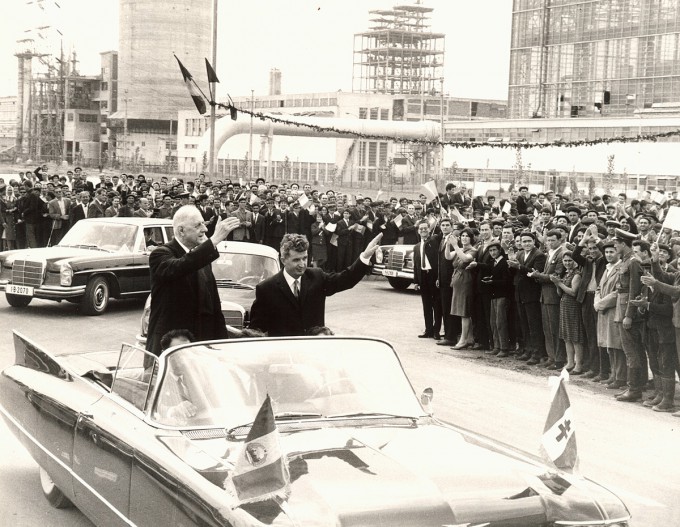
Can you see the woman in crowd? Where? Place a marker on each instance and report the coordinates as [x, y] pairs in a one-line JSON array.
[[462, 252], [8, 216], [571, 325]]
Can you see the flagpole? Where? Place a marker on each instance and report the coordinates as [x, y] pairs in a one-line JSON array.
[[213, 94]]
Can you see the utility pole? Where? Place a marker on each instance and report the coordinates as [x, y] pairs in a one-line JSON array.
[[125, 131], [250, 148], [213, 155]]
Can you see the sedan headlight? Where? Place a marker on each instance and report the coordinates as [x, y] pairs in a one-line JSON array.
[[408, 263], [379, 256], [65, 274]]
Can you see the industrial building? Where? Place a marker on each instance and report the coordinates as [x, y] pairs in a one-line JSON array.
[[8, 120], [143, 128]]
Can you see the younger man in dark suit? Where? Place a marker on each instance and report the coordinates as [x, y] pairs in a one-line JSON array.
[[294, 300]]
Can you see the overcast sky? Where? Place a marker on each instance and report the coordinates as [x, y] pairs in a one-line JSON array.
[[309, 41]]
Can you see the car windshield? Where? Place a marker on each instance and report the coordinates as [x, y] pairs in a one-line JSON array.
[[248, 269], [225, 384], [113, 237]]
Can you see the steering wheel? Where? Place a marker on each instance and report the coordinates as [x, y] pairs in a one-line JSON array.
[[249, 280], [327, 386]]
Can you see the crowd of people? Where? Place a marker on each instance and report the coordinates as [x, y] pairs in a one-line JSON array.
[[587, 283]]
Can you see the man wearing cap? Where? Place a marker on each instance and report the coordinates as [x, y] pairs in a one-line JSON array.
[[630, 287], [245, 218], [528, 297], [592, 268], [550, 299]]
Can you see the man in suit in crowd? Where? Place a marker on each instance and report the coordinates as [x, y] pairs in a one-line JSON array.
[[58, 209], [274, 225], [183, 290], [426, 271], [550, 299], [384, 224], [522, 202], [293, 300], [32, 213], [343, 231], [450, 323], [497, 284], [97, 208], [208, 213], [528, 298], [408, 228], [245, 218], [79, 210], [257, 228]]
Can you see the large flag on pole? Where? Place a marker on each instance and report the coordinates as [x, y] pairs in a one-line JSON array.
[[430, 190], [261, 469], [558, 443], [199, 101]]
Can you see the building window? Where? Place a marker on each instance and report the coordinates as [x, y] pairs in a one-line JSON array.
[[363, 112], [372, 153], [70, 117], [374, 114], [384, 114], [143, 143], [104, 86], [103, 105]]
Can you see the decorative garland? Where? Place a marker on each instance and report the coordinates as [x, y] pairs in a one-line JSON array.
[[456, 144]]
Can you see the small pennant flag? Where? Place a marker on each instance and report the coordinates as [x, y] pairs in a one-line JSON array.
[[212, 76], [193, 89], [558, 443], [261, 469], [430, 190], [380, 193]]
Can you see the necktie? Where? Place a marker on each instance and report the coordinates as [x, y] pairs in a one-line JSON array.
[[422, 255], [296, 288]]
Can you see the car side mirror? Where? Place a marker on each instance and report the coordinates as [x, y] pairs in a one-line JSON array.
[[426, 400]]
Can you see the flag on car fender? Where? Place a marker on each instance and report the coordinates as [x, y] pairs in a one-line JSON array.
[[558, 443], [261, 468]]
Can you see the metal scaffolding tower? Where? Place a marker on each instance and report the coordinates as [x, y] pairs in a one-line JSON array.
[[399, 54]]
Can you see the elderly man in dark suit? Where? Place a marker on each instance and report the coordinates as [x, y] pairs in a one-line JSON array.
[[183, 290], [426, 271], [294, 300]]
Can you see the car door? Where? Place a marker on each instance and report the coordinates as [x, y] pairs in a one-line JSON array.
[[142, 278], [105, 438]]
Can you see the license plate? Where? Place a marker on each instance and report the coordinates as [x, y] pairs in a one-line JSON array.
[[389, 272], [23, 290]]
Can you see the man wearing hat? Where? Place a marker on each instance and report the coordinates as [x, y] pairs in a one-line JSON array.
[[629, 288], [245, 217]]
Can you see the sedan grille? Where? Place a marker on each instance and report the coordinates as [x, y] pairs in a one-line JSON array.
[[233, 318], [395, 261], [27, 273]]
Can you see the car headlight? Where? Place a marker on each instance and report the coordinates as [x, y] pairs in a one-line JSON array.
[[379, 256], [408, 263], [65, 274]]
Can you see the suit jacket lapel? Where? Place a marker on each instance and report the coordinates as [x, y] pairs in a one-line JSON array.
[[283, 285]]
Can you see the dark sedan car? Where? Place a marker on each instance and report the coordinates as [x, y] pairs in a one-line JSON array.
[[97, 260], [133, 439]]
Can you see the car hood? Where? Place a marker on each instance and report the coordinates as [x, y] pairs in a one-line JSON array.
[[431, 475], [53, 255]]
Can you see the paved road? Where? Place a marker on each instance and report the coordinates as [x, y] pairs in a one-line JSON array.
[[628, 448]]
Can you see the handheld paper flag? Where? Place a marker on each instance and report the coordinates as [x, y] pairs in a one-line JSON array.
[[430, 190], [193, 89], [672, 220], [254, 198], [397, 220], [506, 207], [261, 469], [558, 443], [304, 201], [330, 227], [380, 193]]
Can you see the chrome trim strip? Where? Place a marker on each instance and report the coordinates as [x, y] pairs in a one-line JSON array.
[[595, 523], [67, 468], [119, 268]]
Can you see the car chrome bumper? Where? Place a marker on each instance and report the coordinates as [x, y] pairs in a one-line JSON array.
[[393, 273], [52, 292]]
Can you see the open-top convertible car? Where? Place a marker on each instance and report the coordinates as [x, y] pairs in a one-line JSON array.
[[132, 439], [98, 259]]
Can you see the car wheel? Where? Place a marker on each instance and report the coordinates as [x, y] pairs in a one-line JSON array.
[[18, 300], [56, 497], [96, 298], [399, 283]]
